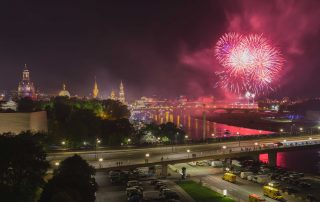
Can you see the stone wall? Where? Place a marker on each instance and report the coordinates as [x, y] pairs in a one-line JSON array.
[[18, 122]]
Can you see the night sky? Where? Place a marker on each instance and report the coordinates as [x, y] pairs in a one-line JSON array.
[[159, 48]]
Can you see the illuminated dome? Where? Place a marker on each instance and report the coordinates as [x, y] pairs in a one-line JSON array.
[[64, 92]]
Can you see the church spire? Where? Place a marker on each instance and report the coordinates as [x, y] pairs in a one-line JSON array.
[[121, 93], [95, 91]]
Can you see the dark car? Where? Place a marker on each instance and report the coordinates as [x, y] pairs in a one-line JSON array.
[[158, 185]]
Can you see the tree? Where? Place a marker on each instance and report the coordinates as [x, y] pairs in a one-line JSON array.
[[171, 131], [26, 104], [114, 132], [115, 109], [22, 167], [73, 181]]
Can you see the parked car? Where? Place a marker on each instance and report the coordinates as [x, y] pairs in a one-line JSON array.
[[158, 185], [163, 192]]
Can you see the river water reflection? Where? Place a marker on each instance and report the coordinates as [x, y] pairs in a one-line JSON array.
[[196, 129]]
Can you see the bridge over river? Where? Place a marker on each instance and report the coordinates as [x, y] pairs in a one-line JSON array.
[[106, 160]]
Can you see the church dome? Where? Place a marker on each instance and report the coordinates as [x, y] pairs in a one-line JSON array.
[[64, 92]]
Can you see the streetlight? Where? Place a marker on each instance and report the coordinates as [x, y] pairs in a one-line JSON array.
[[188, 151], [97, 143], [84, 143], [301, 129], [129, 140], [57, 163], [225, 192], [256, 143], [310, 138], [147, 156], [186, 137], [212, 134], [224, 147], [63, 142], [100, 162], [238, 134], [281, 130]]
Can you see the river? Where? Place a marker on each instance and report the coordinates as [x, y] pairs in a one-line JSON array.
[[302, 161]]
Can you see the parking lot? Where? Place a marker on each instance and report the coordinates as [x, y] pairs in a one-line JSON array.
[[145, 188]]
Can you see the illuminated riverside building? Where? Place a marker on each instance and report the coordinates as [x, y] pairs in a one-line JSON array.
[[26, 87]]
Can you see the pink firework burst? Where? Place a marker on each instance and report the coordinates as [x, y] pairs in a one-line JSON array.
[[250, 63]]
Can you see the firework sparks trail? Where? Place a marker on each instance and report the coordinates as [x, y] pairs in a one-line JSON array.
[[250, 63]]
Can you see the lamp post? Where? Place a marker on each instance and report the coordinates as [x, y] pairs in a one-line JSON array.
[[97, 143], [188, 151], [224, 147], [147, 156], [100, 162]]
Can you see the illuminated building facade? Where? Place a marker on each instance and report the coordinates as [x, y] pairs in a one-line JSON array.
[[64, 92], [113, 95], [26, 87]]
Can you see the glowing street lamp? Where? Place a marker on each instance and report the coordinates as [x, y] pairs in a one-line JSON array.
[[57, 163], [84, 143], [281, 130], [225, 192], [224, 147], [147, 156], [256, 144], [301, 129], [188, 151], [212, 134], [63, 142], [100, 159]]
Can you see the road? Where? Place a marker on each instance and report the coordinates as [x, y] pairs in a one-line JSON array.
[[138, 155]]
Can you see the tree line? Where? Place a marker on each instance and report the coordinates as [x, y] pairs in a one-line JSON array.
[[24, 177]]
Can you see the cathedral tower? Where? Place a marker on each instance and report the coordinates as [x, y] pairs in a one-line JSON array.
[[121, 94], [26, 87], [95, 91]]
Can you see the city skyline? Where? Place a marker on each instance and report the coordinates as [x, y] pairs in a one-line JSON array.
[[156, 48]]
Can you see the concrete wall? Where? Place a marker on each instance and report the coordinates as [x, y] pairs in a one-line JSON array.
[[18, 122]]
